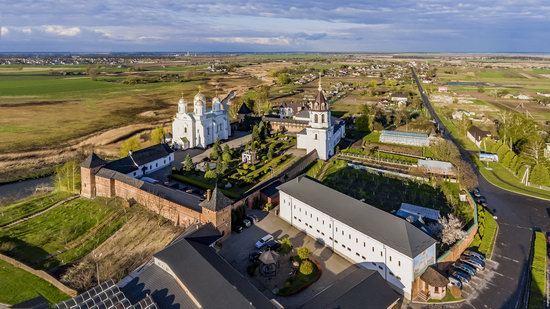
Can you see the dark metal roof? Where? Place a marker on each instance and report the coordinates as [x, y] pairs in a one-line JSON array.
[[129, 163], [209, 278], [244, 110], [478, 134], [360, 289], [217, 201], [271, 189], [179, 197], [376, 223], [320, 103], [92, 161]]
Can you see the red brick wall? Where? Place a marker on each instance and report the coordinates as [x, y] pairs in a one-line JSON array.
[[289, 127], [87, 182]]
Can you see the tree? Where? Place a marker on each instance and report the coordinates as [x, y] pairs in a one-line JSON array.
[[362, 123], [92, 72], [157, 135], [451, 229], [445, 150], [210, 174], [188, 163], [390, 83], [283, 79], [534, 148], [128, 145], [303, 253], [540, 175], [216, 150], [286, 245], [67, 177], [306, 267]]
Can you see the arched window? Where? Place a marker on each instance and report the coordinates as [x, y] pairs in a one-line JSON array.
[[316, 118], [323, 118]]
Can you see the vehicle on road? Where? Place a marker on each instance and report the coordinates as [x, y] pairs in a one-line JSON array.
[[454, 281], [460, 275], [465, 268], [252, 218], [238, 228], [263, 241], [481, 199], [273, 245], [476, 192], [479, 264], [479, 256], [246, 223]]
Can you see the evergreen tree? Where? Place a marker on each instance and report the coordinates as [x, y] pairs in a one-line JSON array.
[[188, 163]]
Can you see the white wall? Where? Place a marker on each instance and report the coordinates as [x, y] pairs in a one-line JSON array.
[[153, 166], [395, 267]]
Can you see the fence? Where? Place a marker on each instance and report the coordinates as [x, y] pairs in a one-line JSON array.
[[41, 274], [456, 250]]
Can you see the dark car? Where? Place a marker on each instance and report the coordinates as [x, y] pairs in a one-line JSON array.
[[478, 256], [465, 268], [253, 256], [252, 218], [477, 264], [476, 192], [273, 245], [460, 275], [246, 223], [237, 228], [481, 200]]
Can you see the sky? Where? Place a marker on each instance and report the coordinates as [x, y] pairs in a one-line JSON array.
[[275, 26]]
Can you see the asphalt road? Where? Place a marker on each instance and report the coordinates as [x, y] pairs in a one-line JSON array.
[[517, 215]]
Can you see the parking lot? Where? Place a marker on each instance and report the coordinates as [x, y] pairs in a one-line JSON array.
[[237, 248]]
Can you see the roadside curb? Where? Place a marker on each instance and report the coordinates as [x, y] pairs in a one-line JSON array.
[[516, 192], [439, 303], [490, 257]]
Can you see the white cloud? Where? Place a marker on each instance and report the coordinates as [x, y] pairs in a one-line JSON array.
[[3, 31], [253, 40], [27, 30], [62, 30]]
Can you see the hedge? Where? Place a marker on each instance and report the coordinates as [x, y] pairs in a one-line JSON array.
[[538, 272]]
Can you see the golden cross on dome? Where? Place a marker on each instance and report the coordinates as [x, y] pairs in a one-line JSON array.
[[200, 88]]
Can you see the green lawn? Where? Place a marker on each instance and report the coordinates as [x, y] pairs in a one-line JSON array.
[[29, 206], [17, 285], [63, 234], [373, 136], [53, 86], [538, 272]]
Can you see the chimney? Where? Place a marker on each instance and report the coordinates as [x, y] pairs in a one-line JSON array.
[[208, 194]]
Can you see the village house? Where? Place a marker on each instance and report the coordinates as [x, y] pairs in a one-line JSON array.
[[361, 233], [443, 89], [476, 135], [400, 98]]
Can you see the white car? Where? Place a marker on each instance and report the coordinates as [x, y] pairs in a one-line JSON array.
[[263, 241]]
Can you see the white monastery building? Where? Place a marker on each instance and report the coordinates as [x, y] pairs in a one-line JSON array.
[[321, 134], [201, 127], [361, 233]]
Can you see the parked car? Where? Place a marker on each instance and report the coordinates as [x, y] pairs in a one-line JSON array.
[[246, 223], [254, 255], [251, 218], [263, 241], [460, 275], [479, 265], [456, 282], [476, 192], [475, 254], [465, 268], [238, 228], [273, 245], [481, 199]]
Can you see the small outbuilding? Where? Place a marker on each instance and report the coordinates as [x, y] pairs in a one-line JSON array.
[[434, 284]]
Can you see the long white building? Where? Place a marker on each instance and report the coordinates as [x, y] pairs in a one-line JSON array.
[[361, 233]]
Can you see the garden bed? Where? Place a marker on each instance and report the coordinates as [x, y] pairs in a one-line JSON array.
[[300, 282]]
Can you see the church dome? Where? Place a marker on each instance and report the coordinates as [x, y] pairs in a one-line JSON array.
[[181, 101], [199, 97]]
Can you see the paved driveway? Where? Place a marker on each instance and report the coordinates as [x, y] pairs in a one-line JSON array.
[[236, 249]]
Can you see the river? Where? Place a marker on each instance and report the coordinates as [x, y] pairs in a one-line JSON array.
[[24, 188]]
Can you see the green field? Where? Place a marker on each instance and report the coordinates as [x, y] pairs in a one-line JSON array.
[[17, 285], [29, 206], [63, 234]]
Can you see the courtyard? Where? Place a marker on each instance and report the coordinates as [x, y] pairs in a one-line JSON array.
[[236, 250]]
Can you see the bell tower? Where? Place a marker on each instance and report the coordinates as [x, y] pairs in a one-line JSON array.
[[319, 116]]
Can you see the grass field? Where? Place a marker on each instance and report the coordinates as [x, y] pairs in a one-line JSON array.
[[29, 206], [63, 234], [17, 285], [538, 272]]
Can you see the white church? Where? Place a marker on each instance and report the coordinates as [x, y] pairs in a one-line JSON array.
[[321, 134], [201, 127]]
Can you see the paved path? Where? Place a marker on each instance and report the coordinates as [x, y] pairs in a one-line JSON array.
[[42, 211], [517, 216]]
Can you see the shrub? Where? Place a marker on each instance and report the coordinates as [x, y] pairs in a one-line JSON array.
[[210, 175], [306, 267], [303, 253], [286, 246]]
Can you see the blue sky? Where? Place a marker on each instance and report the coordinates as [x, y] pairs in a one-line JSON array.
[[271, 26]]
